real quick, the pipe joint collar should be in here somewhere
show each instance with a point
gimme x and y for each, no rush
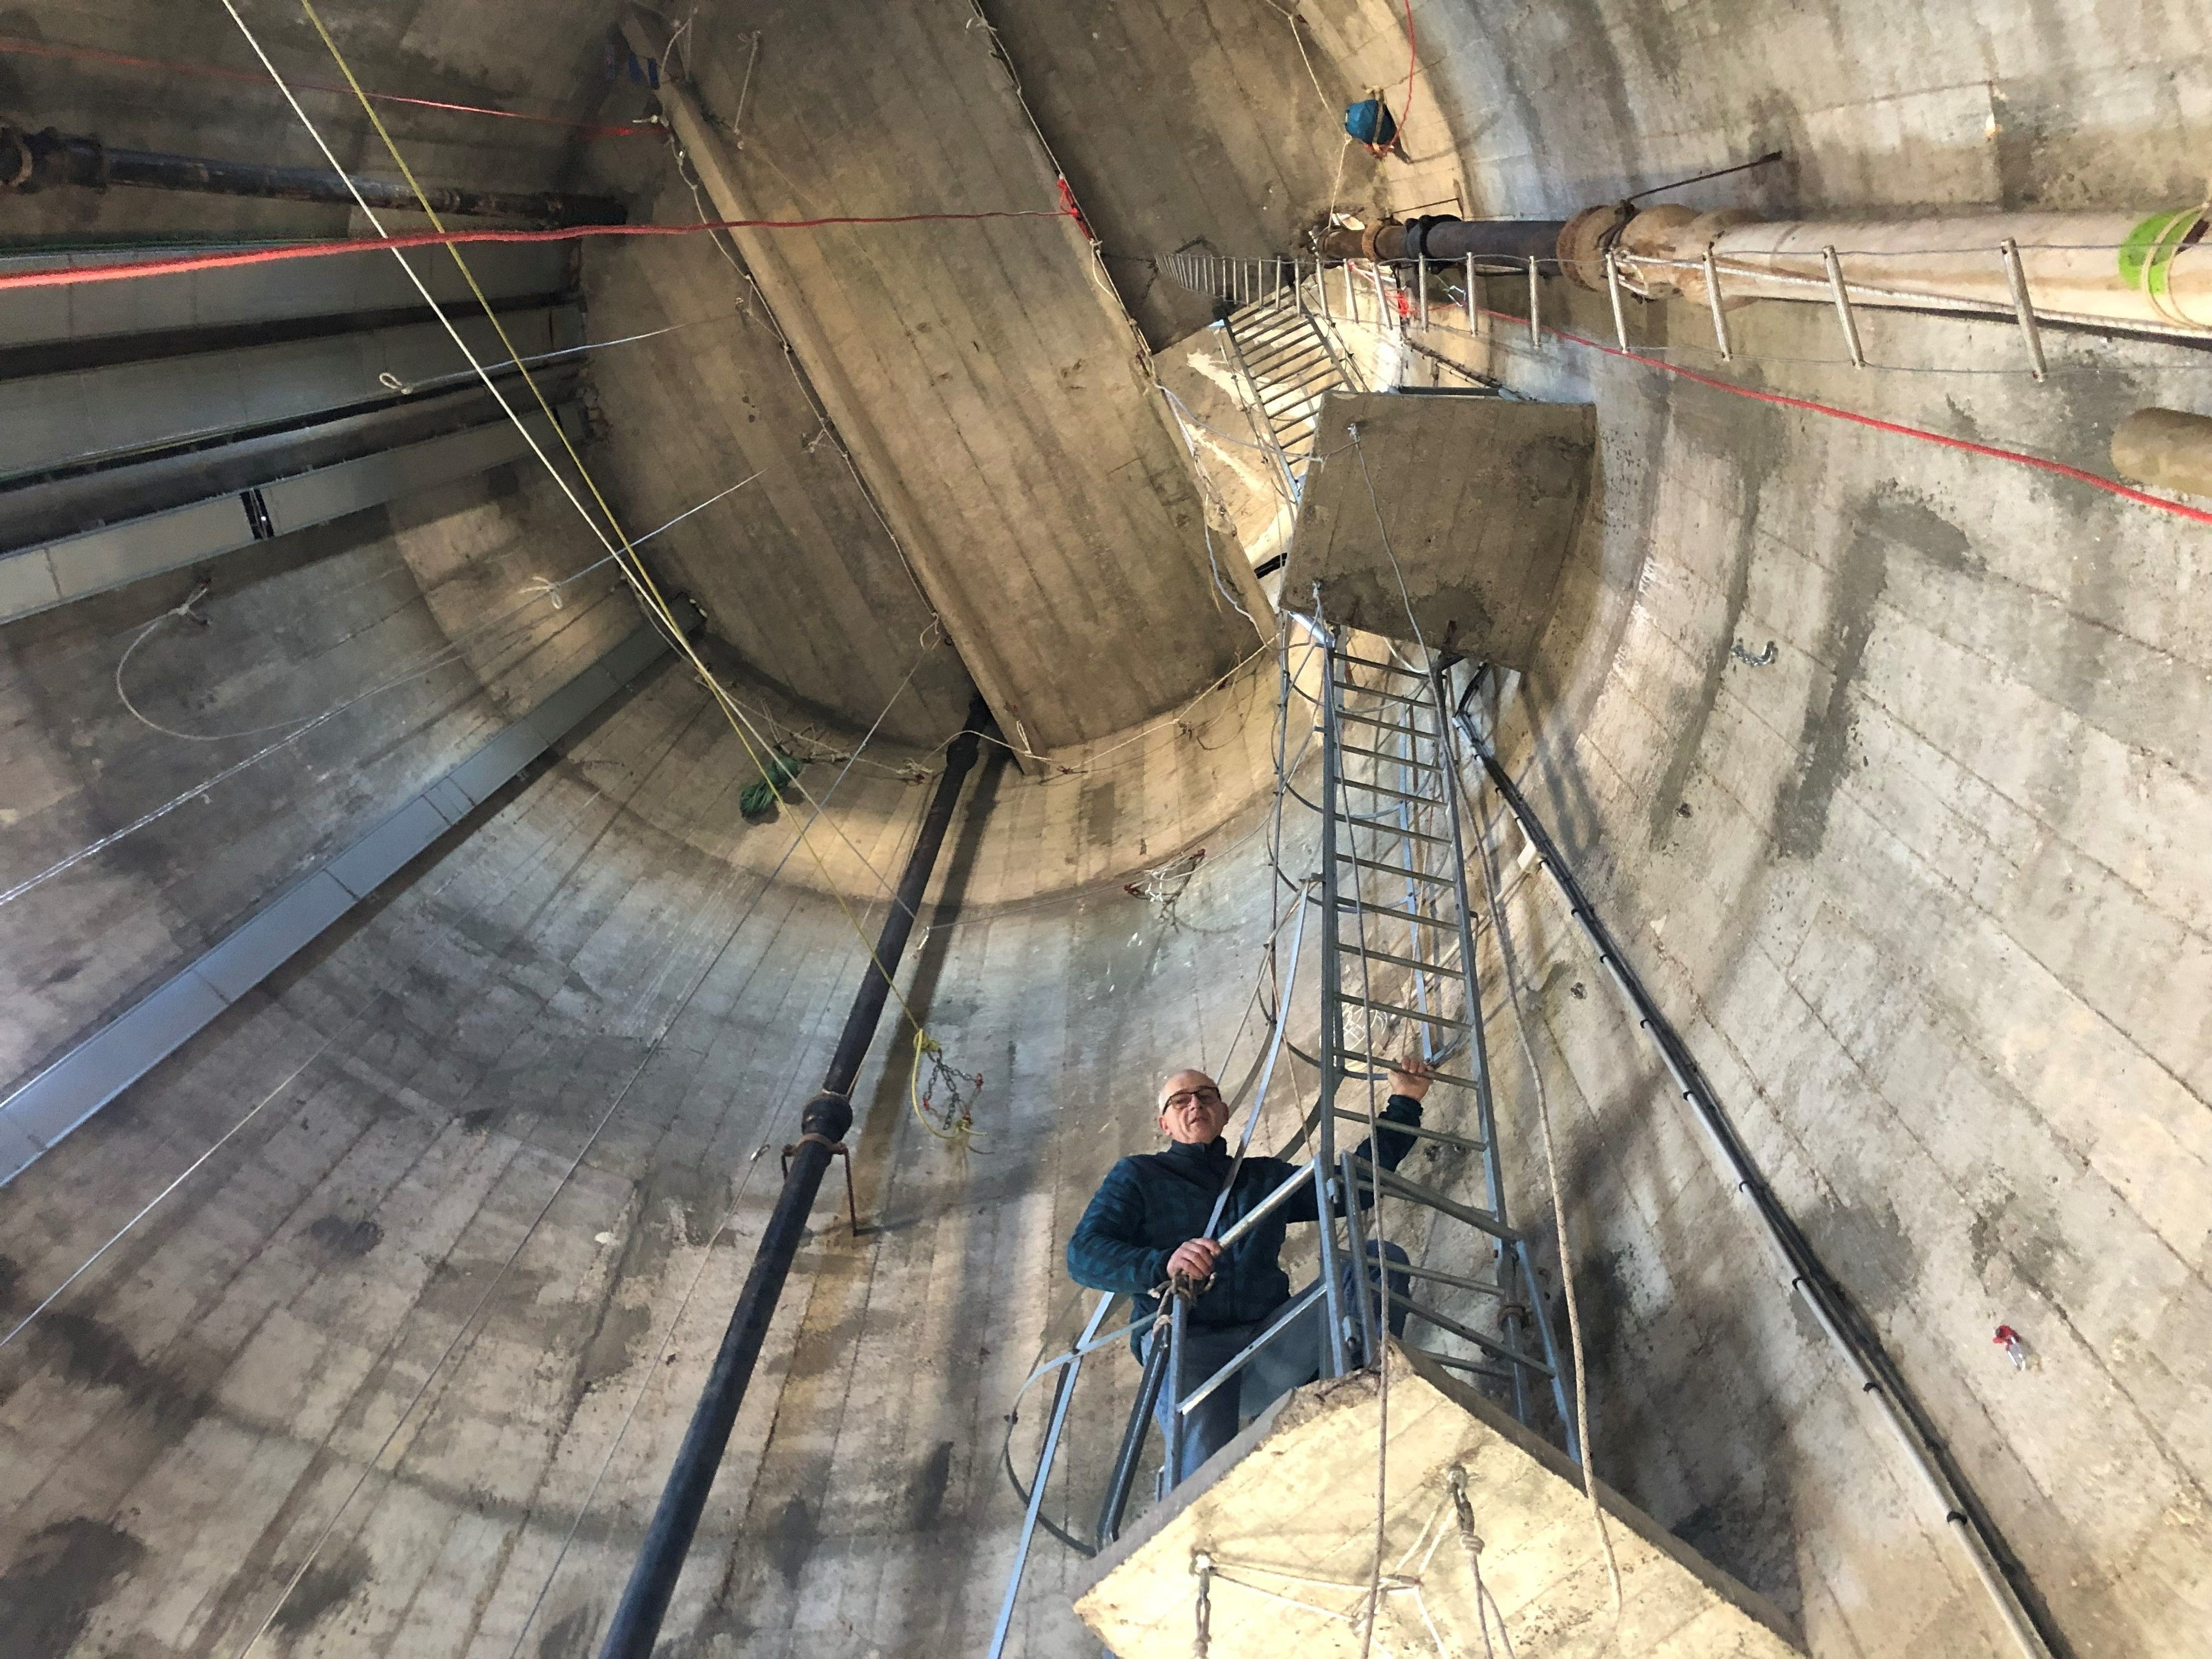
(827, 1114)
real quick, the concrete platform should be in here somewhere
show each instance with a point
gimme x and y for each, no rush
(1480, 497)
(1287, 1514)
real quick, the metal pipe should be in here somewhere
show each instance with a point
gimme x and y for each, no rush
(1535, 307)
(1062, 1398)
(1877, 1373)
(2143, 272)
(1124, 1477)
(636, 1622)
(52, 160)
(1713, 301)
(1844, 316)
(1440, 236)
(2023, 307)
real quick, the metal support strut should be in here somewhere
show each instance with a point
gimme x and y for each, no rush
(636, 1622)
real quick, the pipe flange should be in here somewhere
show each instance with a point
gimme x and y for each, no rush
(1367, 236)
(1584, 238)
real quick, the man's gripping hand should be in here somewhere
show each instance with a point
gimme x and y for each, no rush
(1194, 1260)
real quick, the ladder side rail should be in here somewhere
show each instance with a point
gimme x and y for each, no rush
(1333, 1357)
(1478, 1051)
(1063, 1397)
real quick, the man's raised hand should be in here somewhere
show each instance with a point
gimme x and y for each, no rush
(1410, 1078)
(1194, 1259)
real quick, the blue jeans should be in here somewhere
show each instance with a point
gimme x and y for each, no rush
(1290, 1360)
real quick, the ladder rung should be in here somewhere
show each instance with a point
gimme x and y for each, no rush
(1439, 1077)
(1382, 667)
(1399, 870)
(1387, 697)
(1375, 1004)
(1381, 789)
(1488, 1345)
(1390, 760)
(1414, 916)
(1413, 1129)
(1368, 720)
(1496, 1374)
(1393, 1182)
(1392, 829)
(1413, 963)
(1443, 1277)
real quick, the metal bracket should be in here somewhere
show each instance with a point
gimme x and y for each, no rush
(837, 1149)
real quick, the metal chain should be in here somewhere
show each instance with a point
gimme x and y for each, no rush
(1202, 1641)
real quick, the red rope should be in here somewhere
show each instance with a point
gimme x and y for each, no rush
(68, 278)
(93, 55)
(2018, 457)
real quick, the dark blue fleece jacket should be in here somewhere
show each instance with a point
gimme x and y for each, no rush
(1150, 1204)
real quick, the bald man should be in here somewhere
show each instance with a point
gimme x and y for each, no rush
(1148, 1221)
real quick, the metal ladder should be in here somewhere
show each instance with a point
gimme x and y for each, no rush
(1397, 973)
(1397, 964)
(1284, 350)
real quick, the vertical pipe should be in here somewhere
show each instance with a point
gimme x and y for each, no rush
(636, 1622)
(1535, 307)
(1843, 312)
(2022, 307)
(1178, 1325)
(1421, 287)
(1332, 1005)
(1713, 300)
(1351, 294)
(1471, 326)
(1612, 290)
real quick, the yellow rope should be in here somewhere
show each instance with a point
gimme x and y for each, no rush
(632, 567)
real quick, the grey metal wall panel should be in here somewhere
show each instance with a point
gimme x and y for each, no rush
(70, 1090)
(249, 294)
(481, 775)
(52, 420)
(369, 862)
(264, 944)
(16, 1149)
(94, 1072)
(38, 578)
(119, 553)
(26, 584)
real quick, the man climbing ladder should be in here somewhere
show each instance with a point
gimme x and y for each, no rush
(1150, 1230)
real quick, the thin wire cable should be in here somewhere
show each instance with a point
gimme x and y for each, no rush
(2020, 457)
(93, 55)
(1506, 971)
(633, 567)
(224, 1139)
(1543, 1099)
(80, 276)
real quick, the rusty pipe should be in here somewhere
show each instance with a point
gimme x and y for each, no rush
(52, 160)
(1446, 239)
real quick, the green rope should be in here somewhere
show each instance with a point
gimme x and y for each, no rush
(760, 798)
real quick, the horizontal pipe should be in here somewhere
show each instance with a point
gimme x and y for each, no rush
(1442, 237)
(2143, 269)
(52, 160)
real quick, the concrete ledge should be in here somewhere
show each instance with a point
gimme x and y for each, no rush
(1287, 1514)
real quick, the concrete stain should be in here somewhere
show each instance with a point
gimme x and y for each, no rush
(1758, 454)
(1800, 823)
(570, 1636)
(796, 1536)
(1870, 1253)
(925, 1490)
(343, 1237)
(48, 1593)
(93, 1357)
(327, 1586)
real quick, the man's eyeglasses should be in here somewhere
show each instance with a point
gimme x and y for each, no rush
(1183, 1097)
